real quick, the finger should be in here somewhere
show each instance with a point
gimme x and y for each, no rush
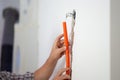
(57, 40)
(60, 43)
(62, 54)
(62, 49)
(59, 37)
(62, 71)
(65, 77)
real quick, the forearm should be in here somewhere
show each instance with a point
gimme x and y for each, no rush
(46, 70)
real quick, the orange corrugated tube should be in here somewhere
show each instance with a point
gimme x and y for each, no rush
(66, 42)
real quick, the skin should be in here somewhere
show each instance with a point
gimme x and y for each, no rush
(61, 76)
(47, 69)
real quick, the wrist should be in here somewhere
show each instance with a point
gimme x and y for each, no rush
(52, 59)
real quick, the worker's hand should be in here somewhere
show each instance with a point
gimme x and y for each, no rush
(58, 48)
(61, 76)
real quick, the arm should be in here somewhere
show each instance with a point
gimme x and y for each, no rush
(57, 51)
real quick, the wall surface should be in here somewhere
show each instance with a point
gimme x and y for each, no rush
(115, 40)
(91, 55)
(26, 38)
(25, 49)
(91, 52)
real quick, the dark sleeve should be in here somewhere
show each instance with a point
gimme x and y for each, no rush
(11, 76)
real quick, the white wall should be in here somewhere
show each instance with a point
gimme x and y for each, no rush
(91, 56)
(25, 49)
(26, 38)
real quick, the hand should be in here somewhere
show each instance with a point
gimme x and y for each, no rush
(61, 76)
(58, 48)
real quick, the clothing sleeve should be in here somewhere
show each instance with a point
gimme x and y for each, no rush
(11, 76)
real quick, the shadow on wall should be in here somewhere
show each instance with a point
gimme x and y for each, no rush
(11, 16)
